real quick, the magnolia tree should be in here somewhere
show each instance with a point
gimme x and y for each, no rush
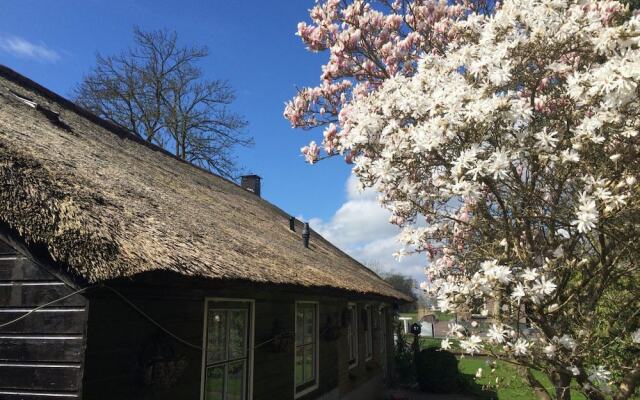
(515, 138)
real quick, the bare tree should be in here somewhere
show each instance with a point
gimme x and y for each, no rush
(156, 90)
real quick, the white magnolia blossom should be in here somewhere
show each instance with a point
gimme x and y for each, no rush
(550, 350)
(530, 274)
(599, 375)
(567, 342)
(455, 329)
(521, 347)
(471, 345)
(518, 292)
(635, 337)
(494, 271)
(496, 334)
(587, 214)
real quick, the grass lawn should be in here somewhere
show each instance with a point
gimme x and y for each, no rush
(439, 315)
(413, 316)
(511, 385)
(444, 316)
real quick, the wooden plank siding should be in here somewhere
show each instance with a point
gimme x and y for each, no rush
(41, 355)
(121, 357)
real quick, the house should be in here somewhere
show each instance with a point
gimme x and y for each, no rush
(126, 273)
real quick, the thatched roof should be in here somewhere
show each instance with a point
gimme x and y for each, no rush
(106, 205)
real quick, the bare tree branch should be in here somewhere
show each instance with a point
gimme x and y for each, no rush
(156, 90)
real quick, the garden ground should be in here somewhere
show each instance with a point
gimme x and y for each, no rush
(510, 384)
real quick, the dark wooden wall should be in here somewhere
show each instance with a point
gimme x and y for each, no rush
(124, 348)
(41, 355)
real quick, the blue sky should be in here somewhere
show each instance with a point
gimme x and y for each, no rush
(252, 44)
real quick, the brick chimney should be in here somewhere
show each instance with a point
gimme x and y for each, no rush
(251, 183)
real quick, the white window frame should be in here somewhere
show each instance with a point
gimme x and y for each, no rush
(368, 335)
(250, 345)
(383, 331)
(296, 393)
(353, 308)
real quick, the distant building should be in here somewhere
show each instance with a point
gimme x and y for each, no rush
(126, 273)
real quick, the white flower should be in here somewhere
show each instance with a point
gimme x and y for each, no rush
(521, 347)
(567, 342)
(635, 337)
(574, 370)
(518, 293)
(455, 329)
(530, 274)
(569, 155)
(400, 254)
(630, 180)
(587, 214)
(471, 345)
(546, 140)
(500, 75)
(499, 164)
(494, 271)
(544, 286)
(599, 375)
(550, 350)
(445, 344)
(479, 373)
(496, 334)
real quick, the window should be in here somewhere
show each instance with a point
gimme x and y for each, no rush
(228, 350)
(306, 348)
(352, 335)
(368, 335)
(382, 321)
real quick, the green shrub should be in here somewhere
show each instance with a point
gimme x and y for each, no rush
(437, 371)
(405, 372)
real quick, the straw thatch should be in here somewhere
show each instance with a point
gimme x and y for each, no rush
(106, 205)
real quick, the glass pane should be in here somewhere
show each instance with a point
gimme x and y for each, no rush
(299, 325)
(299, 362)
(309, 362)
(214, 386)
(309, 324)
(350, 339)
(216, 336)
(235, 381)
(353, 334)
(369, 334)
(237, 333)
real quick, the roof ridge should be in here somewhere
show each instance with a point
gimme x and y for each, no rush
(119, 130)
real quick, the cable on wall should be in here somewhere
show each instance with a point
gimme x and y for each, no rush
(157, 324)
(25, 315)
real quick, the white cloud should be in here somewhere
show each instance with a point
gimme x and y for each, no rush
(361, 228)
(23, 48)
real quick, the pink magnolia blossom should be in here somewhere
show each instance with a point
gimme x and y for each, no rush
(368, 43)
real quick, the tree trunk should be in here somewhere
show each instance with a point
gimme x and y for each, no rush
(629, 383)
(561, 382)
